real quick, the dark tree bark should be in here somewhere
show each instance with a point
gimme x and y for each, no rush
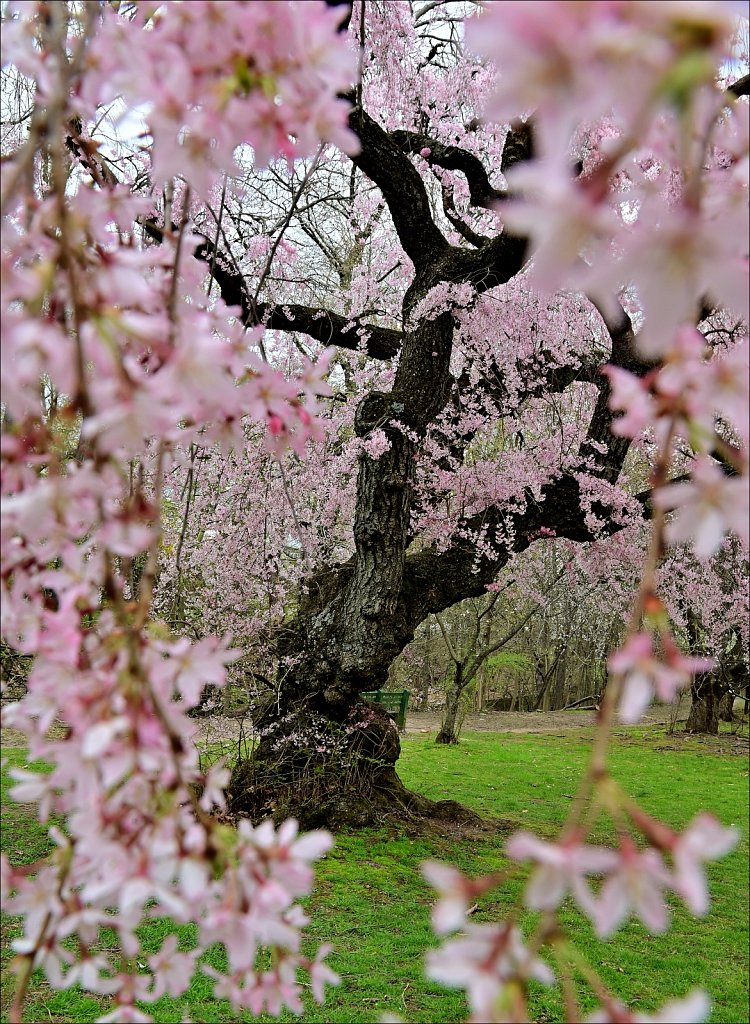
(738, 683)
(726, 708)
(546, 677)
(713, 693)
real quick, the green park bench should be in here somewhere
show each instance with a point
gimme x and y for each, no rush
(393, 702)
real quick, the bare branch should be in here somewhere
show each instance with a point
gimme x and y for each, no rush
(741, 87)
(448, 643)
(321, 324)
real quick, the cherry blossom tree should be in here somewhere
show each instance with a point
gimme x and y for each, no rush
(535, 290)
(483, 423)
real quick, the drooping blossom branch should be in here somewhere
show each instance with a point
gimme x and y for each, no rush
(651, 208)
(142, 365)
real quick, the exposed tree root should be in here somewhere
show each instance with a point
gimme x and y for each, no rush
(335, 802)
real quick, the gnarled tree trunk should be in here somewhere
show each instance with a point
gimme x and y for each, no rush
(737, 683)
(713, 693)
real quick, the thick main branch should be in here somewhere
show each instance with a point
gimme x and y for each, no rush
(452, 158)
(390, 169)
(322, 324)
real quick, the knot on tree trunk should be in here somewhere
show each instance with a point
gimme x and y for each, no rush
(372, 412)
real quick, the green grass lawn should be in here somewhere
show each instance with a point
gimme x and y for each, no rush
(372, 904)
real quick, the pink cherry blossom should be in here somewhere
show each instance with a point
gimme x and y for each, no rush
(637, 884)
(675, 262)
(456, 892)
(693, 1009)
(564, 218)
(33, 787)
(704, 839)
(727, 388)
(282, 99)
(376, 444)
(311, 378)
(91, 973)
(172, 971)
(708, 505)
(562, 867)
(321, 974)
(645, 674)
(631, 395)
(125, 1013)
(483, 962)
(216, 780)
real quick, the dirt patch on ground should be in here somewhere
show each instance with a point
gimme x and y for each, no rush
(10, 737)
(724, 743)
(561, 722)
(532, 721)
(214, 730)
(452, 832)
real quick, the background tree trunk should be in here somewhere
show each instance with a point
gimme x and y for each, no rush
(726, 708)
(448, 730)
(707, 692)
